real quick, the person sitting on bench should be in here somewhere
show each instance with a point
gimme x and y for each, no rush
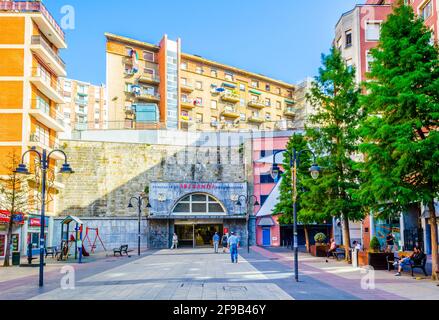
(416, 257)
(332, 248)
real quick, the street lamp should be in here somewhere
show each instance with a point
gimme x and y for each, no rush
(294, 164)
(247, 202)
(44, 159)
(139, 200)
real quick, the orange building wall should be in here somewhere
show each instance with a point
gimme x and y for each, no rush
(15, 33)
(11, 62)
(9, 123)
(6, 153)
(11, 96)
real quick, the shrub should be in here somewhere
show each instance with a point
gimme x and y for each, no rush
(375, 245)
(320, 237)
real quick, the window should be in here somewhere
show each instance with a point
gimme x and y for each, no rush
(213, 73)
(198, 102)
(263, 199)
(267, 102)
(229, 76)
(268, 116)
(348, 35)
(290, 94)
(339, 43)
(67, 86)
(199, 118)
(242, 87)
(213, 104)
(184, 98)
(254, 97)
(242, 101)
(373, 31)
(242, 116)
(278, 105)
(255, 84)
(183, 66)
(349, 62)
(198, 204)
(427, 10)
(369, 60)
(199, 69)
(199, 85)
(148, 56)
(184, 81)
(267, 87)
(266, 178)
(278, 91)
(128, 51)
(149, 71)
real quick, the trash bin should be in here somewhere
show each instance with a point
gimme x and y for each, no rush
(16, 258)
(355, 258)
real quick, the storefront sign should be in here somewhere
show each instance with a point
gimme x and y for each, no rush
(5, 217)
(36, 222)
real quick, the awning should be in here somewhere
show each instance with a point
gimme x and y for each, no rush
(69, 219)
(269, 159)
(270, 203)
(290, 101)
(5, 217)
(229, 85)
(195, 217)
(266, 222)
(255, 92)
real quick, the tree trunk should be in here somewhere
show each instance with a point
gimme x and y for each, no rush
(346, 237)
(434, 246)
(306, 238)
(8, 244)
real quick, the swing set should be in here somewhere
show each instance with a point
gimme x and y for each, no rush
(96, 237)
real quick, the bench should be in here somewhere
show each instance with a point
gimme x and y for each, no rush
(339, 252)
(121, 250)
(52, 251)
(421, 266)
(391, 261)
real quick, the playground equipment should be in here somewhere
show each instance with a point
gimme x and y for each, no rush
(96, 237)
(68, 238)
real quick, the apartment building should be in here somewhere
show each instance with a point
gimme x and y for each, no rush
(158, 86)
(358, 30)
(30, 67)
(356, 33)
(85, 106)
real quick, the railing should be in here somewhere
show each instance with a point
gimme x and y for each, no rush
(44, 75)
(41, 105)
(231, 96)
(39, 40)
(150, 77)
(81, 102)
(32, 6)
(45, 140)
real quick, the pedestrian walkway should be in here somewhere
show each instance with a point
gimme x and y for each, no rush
(348, 281)
(184, 274)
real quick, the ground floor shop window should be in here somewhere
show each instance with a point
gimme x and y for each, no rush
(2, 245)
(384, 227)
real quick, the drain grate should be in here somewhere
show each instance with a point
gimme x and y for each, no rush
(235, 288)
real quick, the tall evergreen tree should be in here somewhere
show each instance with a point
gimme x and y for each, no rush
(401, 137)
(304, 182)
(334, 136)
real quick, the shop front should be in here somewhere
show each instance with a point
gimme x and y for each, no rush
(18, 220)
(195, 211)
(33, 232)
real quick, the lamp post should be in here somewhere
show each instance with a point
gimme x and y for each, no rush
(294, 164)
(44, 160)
(139, 200)
(247, 202)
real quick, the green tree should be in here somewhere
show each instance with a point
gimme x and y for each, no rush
(304, 180)
(400, 136)
(13, 198)
(334, 135)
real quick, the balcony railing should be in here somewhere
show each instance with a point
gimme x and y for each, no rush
(38, 40)
(256, 104)
(289, 111)
(231, 97)
(44, 140)
(39, 104)
(149, 78)
(32, 6)
(44, 76)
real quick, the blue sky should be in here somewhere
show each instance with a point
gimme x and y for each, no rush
(282, 39)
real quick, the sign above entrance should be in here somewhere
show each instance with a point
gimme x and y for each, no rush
(165, 196)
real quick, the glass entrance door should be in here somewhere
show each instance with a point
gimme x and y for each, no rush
(205, 233)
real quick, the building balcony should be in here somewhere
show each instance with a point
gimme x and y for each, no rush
(54, 122)
(289, 112)
(41, 142)
(149, 97)
(256, 119)
(43, 50)
(230, 113)
(187, 104)
(231, 97)
(80, 126)
(257, 104)
(81, 102)
(46, 23)
(49, 87)
(187, 87)
(149, 78)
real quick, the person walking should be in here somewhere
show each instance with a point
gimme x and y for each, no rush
(216, 240)
(174, 242)
(233, 247)
(390, 242)
(224, 242)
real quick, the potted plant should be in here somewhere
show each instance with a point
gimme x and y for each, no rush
(320, 248)
(374, 257)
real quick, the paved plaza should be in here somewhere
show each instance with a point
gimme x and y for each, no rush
(199, 274)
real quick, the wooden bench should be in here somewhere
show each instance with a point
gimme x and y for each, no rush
(121, 250)
(339, 252)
